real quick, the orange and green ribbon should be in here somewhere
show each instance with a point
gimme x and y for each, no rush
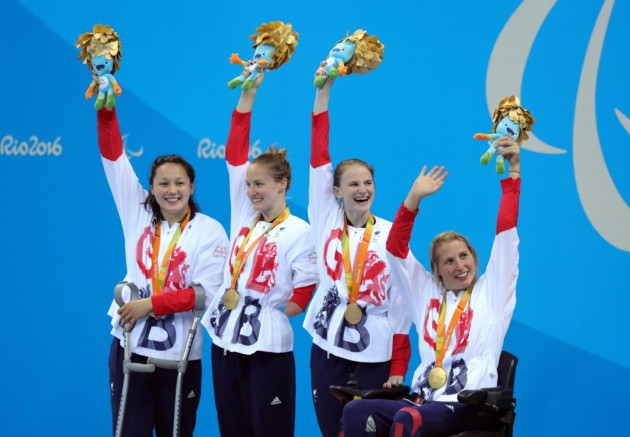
(354, 277)
(159, 273)
(242, 254)
(442, 340)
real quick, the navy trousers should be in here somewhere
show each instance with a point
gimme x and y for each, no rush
(380, 417)
(327, 370)
(254, 394)
(151, 397)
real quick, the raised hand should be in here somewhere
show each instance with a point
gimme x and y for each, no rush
(426, 183)
(511, 151)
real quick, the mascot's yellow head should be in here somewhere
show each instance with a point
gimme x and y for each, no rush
(279, 35)
(102, 41)
(368, 53)
(511, 107)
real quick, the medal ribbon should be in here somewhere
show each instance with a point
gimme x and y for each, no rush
(242, 254)
(159, 272)
(442, 341)
(354, 277)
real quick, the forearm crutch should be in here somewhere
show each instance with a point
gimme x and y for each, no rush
(152, 363)
(128, 366)
(182, 365)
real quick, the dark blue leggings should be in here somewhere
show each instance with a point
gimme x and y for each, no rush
(254, 394)
(151, 397)
(387, 418)
(327, 370)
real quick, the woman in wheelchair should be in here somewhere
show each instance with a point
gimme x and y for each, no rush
(461, 320)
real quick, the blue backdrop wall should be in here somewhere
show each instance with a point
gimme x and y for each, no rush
(446, 66)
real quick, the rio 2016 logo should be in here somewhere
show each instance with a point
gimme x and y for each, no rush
(11, 146)
(205, 149)
(604, 206)
(210, 150)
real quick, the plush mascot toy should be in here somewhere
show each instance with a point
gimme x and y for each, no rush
(100, 50)
(273, 43)
(358, 53)
(510, 119)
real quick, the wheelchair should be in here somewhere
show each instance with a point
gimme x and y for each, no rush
(498, 402)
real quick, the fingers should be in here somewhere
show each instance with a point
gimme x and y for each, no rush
(128, 316)
(125, 315)
(128, 321)
(133, 311)
(393, 381)
(437, 173)
(130, 325)
(509, 149)
(505, 142)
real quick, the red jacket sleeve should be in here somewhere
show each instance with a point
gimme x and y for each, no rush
(170, 303)
(109, 139)
(508, 209)
(401, 352)
(301, 296)
(237, 147)
(400, 233)
(320, 130)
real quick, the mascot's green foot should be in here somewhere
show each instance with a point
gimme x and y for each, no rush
(485, 158)
(500, 167)
(333, 72)
(319, 81)
(234, 83)
(111, 101)
(99, 103)
(247, 84)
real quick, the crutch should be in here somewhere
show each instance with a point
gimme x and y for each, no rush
(128, 366)
(152, 363)
(182, 365)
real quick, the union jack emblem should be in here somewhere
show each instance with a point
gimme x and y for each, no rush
(220, 251)
(312, 258)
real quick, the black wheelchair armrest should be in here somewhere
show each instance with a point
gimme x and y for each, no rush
(476, 397)
(346, 394)
(490, 399)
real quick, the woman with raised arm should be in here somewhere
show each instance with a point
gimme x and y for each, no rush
(270, 267)
(357, 319)
(169, 247)
(461, 319)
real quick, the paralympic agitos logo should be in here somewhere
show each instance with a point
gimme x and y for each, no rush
(604, 206)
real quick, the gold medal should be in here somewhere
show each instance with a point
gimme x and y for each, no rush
(437, 377)
(353, 313)
(230, 299)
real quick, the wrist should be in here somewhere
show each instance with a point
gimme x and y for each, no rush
(412, 203)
